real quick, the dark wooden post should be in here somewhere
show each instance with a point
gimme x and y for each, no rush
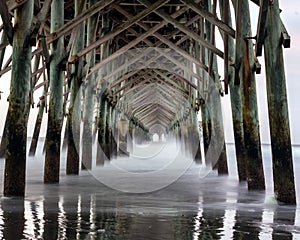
(108, 130)
(244, 63)
(123, 131)
(55, 115)
(37, 128)
(236, 106)
(87, 146)
(4, 139)
(15, 156)
(75, 110)
(101, 130)
(283, 173)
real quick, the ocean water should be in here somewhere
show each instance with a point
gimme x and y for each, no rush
(101, 204)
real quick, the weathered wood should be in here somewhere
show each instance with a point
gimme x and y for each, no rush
(15, 161)
(283, 174)
(87, 145)
(55, 114)
(2, 51)
(210, 17)
(182, 28)
(36, 132)
(245, 73)
(4, 138)
(100, 158)
(68, 27)
(236, 108)
(6, 19)
(261, 26)
(119, 29)
(74, 113)
(108, 131)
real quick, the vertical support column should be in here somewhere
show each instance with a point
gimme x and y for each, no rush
(244, 62)
(15, 156)
(130, 137)
(37, 128)
(4, 139)
(123, 131)
(283, 174)
(108, 130)
(215, 99)
(101, 131)
(236, 106)
(75, 111)
(87, 146)
(114, 147)
(55, 115)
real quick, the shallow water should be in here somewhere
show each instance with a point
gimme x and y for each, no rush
(81, 207)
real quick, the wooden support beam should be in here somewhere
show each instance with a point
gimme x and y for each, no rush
(55, 115)
(2, 51)
(6, 19)
(210, 17)
(246, 76)
(74, 112)
(261, 26)
(119, 29)
(68, 27)
(286, 38)
(283, 171)
(15, 157)
(149, 31)
(226, 49)
(87, 134)
(13, 4)
(182, 28)
(41, 17)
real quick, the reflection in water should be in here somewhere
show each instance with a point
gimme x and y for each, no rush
(189, 209)
(81, 219)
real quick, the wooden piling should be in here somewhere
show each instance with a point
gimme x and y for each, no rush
(15, 156)
(236, 105)
(108, 131)
(37, 127)
(4, 138)
(283, 173)
(55, 114)
(101, 130)
(90, 86)
(244, 63)
(74, 116)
